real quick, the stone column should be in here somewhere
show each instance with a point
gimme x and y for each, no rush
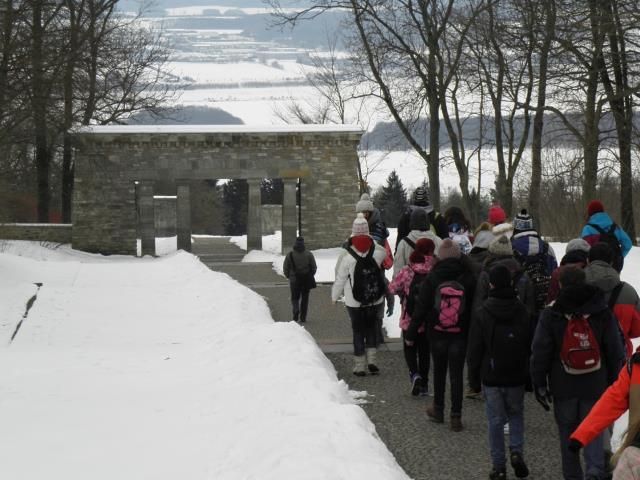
(183, 215)
(147, 217)
(254, 216)
(289, 214)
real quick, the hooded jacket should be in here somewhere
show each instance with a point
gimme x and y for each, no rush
(437, 223)
(548, 338)
(345, 268)
(528, 243)
(604, 221)
(402, 283)
(502, 309)
(458, 269)
(404, 250)
(627, 304)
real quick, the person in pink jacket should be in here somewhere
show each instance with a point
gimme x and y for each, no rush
(417, 355)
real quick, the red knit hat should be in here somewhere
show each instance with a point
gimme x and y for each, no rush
(595, 206)
(496, 215)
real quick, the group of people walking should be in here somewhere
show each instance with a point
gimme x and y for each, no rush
(496, 300)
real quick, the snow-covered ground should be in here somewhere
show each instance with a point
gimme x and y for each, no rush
(160, 368)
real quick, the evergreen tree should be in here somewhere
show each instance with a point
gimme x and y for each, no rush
(234, 199)
(391, 200)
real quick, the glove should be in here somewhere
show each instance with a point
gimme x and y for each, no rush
(389, 310)
(543, 396)
(574, 445)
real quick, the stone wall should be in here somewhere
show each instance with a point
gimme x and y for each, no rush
(39, 232)
(110, 159)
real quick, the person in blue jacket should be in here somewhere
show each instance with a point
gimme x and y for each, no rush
(601, 228)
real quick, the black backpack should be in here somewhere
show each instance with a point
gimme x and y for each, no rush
(414, 291)
(509, 347)
(535, 266)
(609, 237)
(368, 283)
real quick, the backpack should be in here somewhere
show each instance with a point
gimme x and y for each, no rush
(368, 283)
(580, 352)
(535, 266)
(508, 348)
(414, 290)
(609, 237)
(449, 303)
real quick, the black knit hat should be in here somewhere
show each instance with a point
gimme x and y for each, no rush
(500, 277)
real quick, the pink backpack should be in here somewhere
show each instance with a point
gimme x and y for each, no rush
(449, 305)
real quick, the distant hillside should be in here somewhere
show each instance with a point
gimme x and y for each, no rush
(188, 115)
(128, 5)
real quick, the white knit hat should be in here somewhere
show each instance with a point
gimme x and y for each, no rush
(360, 226)
(364, 204)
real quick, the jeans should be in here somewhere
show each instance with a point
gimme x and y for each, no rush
(364, 326)
(504, 404)
(568, 414)
(448, 350)
(418, 356)
(299, 301)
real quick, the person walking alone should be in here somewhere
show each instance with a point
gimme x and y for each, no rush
(300, 268)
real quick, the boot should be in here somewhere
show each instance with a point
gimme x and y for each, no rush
(435, 414)
(358, 365)
(456, 424)
(371, 361)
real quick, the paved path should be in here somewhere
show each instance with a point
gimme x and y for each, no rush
(425, 450)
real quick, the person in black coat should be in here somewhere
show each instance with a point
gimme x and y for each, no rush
(300, 267)
(448, 348)
(437, 222)
(574, 395)
(499, 342)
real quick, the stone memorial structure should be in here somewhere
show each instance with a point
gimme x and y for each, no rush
(116, 168)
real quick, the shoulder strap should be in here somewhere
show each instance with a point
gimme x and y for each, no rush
(615, 293)
(354, 254)
(597, 227)
(612, 228)
(411, 243)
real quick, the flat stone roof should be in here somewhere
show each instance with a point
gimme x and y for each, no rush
(184, 129)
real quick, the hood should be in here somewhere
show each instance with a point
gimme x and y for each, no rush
(500, 304)
(424, 267)
(375, 217)
(482, 239)
(602, 275)
(601, 218)
(449, 268)
(503, 229)
(585, 299)
(426, 206)
(511, 263)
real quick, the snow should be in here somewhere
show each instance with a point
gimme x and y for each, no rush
(160, 368)
(234, 73)
(148, 368)
(200, 10)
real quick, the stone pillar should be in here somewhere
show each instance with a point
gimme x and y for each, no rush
(147, 217)
(183, 216)
(289, 214)
(254, 215)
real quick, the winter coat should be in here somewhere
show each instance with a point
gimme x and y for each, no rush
(345, 267)
(401, 284)
(604, 221)
(304, 263)
(572, 259)
(404, 250)
(522, 283)
(627, 305)
(458, 269)
(502, 307)
(611, 405)
(377, 229)
(436, 222)
(529, 244)
(548, 338)
(628, 466)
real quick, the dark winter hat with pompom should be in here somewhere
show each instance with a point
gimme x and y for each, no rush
(522, 222)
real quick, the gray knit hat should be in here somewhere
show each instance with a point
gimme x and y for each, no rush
(578, 244)
(364, 204)
(501, 247)
(449, 249)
